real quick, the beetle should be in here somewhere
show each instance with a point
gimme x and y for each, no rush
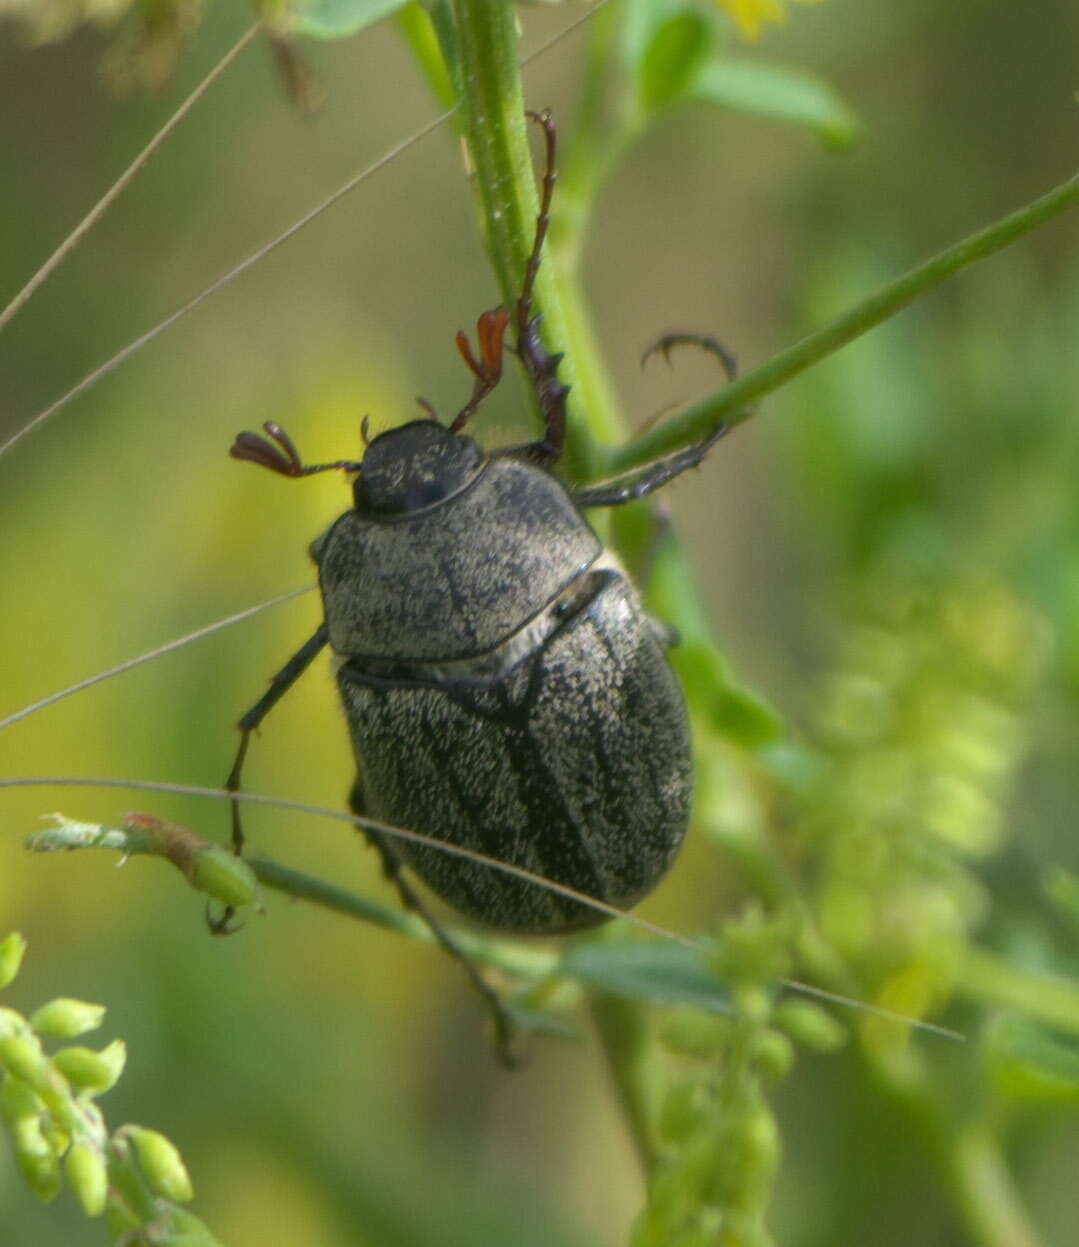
(504, 688)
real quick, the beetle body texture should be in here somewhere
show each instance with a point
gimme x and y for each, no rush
(504, 689)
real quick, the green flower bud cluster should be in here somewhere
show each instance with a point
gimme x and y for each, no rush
(921, 721)
(135, 1177)
(718, 1140)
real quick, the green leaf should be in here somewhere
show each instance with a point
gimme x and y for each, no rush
(1026, 1061)
(779, 92)
(337, 19)
(733, 712)
(673, 57)
(663, 973)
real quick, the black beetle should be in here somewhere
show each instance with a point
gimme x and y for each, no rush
(505, 690)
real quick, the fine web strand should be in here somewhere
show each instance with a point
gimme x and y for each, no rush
(158, 652)
(459, 851)
(144, 339)
(123, 181)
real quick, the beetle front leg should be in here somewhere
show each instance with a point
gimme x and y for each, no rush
(279, 686)
(393, 868)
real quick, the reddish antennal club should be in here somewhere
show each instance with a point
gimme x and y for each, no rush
(282, 458)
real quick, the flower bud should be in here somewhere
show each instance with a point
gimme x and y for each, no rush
(224, 876)
(773, 1053)
(161, 1164)
(38, 1162)
(21, 1055)
(810, 1025)
(11, 1022)
(12, 948)
(17, 1100)
(92, 1072)
(86, 1174)
(682, 1111)
(65, 1018)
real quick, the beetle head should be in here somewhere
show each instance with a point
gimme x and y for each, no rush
(414, 466)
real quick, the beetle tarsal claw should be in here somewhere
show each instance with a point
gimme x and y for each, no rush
(669, 341)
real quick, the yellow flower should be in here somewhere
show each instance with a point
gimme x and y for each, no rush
(751, 15)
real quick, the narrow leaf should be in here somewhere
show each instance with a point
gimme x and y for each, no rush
(662, 973)
(779, 92)
(674, 56)
(337, 19)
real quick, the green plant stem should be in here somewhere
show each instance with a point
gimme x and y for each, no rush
(967, 1156)
(518, 960)
(986, 1193)
(732, 402)
(495, 131)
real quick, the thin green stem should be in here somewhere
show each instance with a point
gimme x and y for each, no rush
(518, 960)
(732, 403)
(967, 1156)
(145, 838)
(986, 1193)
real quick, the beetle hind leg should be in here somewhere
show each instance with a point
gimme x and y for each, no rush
(712, 345)
(652, 476)
(540, 365)
(393, 868)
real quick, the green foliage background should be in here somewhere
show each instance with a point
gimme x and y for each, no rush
(888, 551)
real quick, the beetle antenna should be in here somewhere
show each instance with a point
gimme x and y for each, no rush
(283, 458)
(490, 330)
(429, 408)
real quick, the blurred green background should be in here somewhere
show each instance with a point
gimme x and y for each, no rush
(328, 1084)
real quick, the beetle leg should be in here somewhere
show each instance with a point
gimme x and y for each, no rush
(279, 686)
(670, 340)
(393, 868)
(652, 476)
(539, 364)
